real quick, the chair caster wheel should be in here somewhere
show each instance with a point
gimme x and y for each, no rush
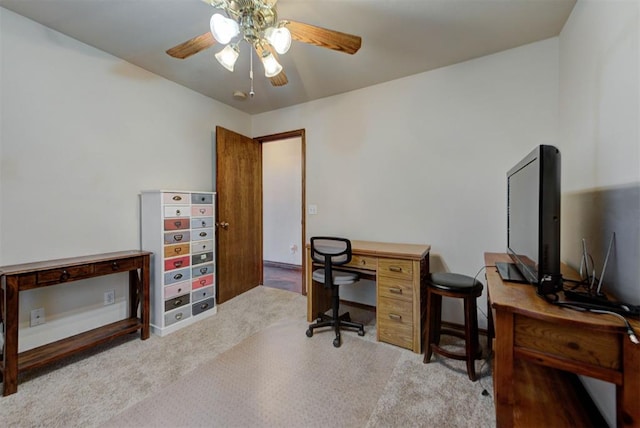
(361, 333)
(336, 342)
(309, 332)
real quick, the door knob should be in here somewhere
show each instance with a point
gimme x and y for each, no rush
(223, 224)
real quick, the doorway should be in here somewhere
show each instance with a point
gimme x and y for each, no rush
(283, 195)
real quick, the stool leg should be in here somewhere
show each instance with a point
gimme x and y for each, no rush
(432, 323)
(471, 335)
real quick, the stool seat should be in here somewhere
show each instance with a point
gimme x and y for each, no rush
(459, 286)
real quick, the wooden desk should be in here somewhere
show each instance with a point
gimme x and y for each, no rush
(399, 271)
(530, 330)
(30, 276)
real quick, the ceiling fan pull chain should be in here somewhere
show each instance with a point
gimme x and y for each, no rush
(251, 93)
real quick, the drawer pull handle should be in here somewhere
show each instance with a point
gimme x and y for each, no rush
(203, 234)
(177, 263)
(363, 262)
(177, 223)
(179, 290)
(395, 268)
(178, 276)
(178, 212)
(177, 302)
(204, 246)
(204, 306)
(203, 281)
(177, 198)
(178, 237)
(396, 290)
(115, 266)
(204, 223)
(204, 270)
(178, 316)
(203, 210)
(65, 275)
(177, 250)
(203, 199)
(395, 317)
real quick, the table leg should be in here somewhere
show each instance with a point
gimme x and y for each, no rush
(503, 369)
(10, 355)
(628, 410)
(145, 300)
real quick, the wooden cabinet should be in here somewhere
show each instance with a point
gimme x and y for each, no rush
(179, 228)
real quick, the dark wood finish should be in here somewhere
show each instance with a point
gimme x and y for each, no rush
(529, 329)
(331, 39)
(192, 46)
(239, 187)
(17, 278)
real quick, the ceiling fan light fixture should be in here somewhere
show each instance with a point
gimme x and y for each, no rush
(271, 66)
(223, 29)
(228, 56)
(279, 38)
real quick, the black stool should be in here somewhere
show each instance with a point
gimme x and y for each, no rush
(461, 287)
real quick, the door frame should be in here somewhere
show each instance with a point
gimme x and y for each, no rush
(300, 133)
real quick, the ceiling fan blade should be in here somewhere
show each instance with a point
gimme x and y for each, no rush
(319, 36)
(192, 46)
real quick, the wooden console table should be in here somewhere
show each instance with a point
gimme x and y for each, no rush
(399, 271)
(30, 276)
(531, 332)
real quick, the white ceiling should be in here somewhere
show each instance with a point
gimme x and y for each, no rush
(399, 38)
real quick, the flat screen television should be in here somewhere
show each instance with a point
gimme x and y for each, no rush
(533, 218)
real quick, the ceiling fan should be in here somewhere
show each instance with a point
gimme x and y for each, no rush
(256, 22)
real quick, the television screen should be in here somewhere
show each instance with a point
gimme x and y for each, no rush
(533, 218)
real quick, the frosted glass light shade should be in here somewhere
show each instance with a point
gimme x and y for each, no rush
(228, 56)
(279, 38)
(271, 66)
(223, 29)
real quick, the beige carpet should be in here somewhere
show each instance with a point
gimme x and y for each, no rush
(276, 378)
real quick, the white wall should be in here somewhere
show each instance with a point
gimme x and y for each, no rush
(423, 159)
(600, 144)
(82, 134)
(282, 201)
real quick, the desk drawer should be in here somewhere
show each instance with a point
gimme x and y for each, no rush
(395, 268)
(363, 262)
(104, 268)
(61, 275)
(395, 322)
(395, 288)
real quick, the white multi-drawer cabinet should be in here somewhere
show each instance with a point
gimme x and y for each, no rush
(179, 228)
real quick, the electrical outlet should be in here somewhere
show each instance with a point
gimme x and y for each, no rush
(109, 297)
(37, 317)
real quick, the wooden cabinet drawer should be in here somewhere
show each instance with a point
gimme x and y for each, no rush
(202, 210)
(176, 263)
(61, 275)
(203, 305)
(395, 288)
(363, 262)
(201, 234)
(201, 223)
(176, 276)
(201, 294)
(197, 259)
(176, 211)
(176, 224)
(402, 269)
(177, 315)
(202, 270)
(176, 250)
(105, 268)
(201, 198)
(176, 289)
(395, 322)
(202, 281)
(175, 198)
(201, 246)
(176, 302)
(176, 237)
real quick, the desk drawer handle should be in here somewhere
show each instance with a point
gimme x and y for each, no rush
(395, 268)
(114, 266)
(363, 262)
(395, 290)
(395, 317)
(65, 275)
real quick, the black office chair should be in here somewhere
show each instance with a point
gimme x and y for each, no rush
(333, 252)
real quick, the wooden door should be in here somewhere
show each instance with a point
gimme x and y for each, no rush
(239, 190)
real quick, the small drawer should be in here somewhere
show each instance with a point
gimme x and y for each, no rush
(395, 322)
(202, 222)
(202, 306)
(201, 246)
(363, 262)
(104, 268)
(177, 276)
(176, 250)
(197, 259)
(201, 294)
(176, 237)
(61, 275)
(176, 290)
(202, 210)
(176, 302)
(176, 224)
(176, 211)
(175, 198)
(202, 270)
(402, 269)
(202, 281)
(201, 198)
(395, 288)
(201, 234)
(177, 315)
(176, 263)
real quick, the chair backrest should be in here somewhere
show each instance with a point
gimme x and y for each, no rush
(330, 251)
